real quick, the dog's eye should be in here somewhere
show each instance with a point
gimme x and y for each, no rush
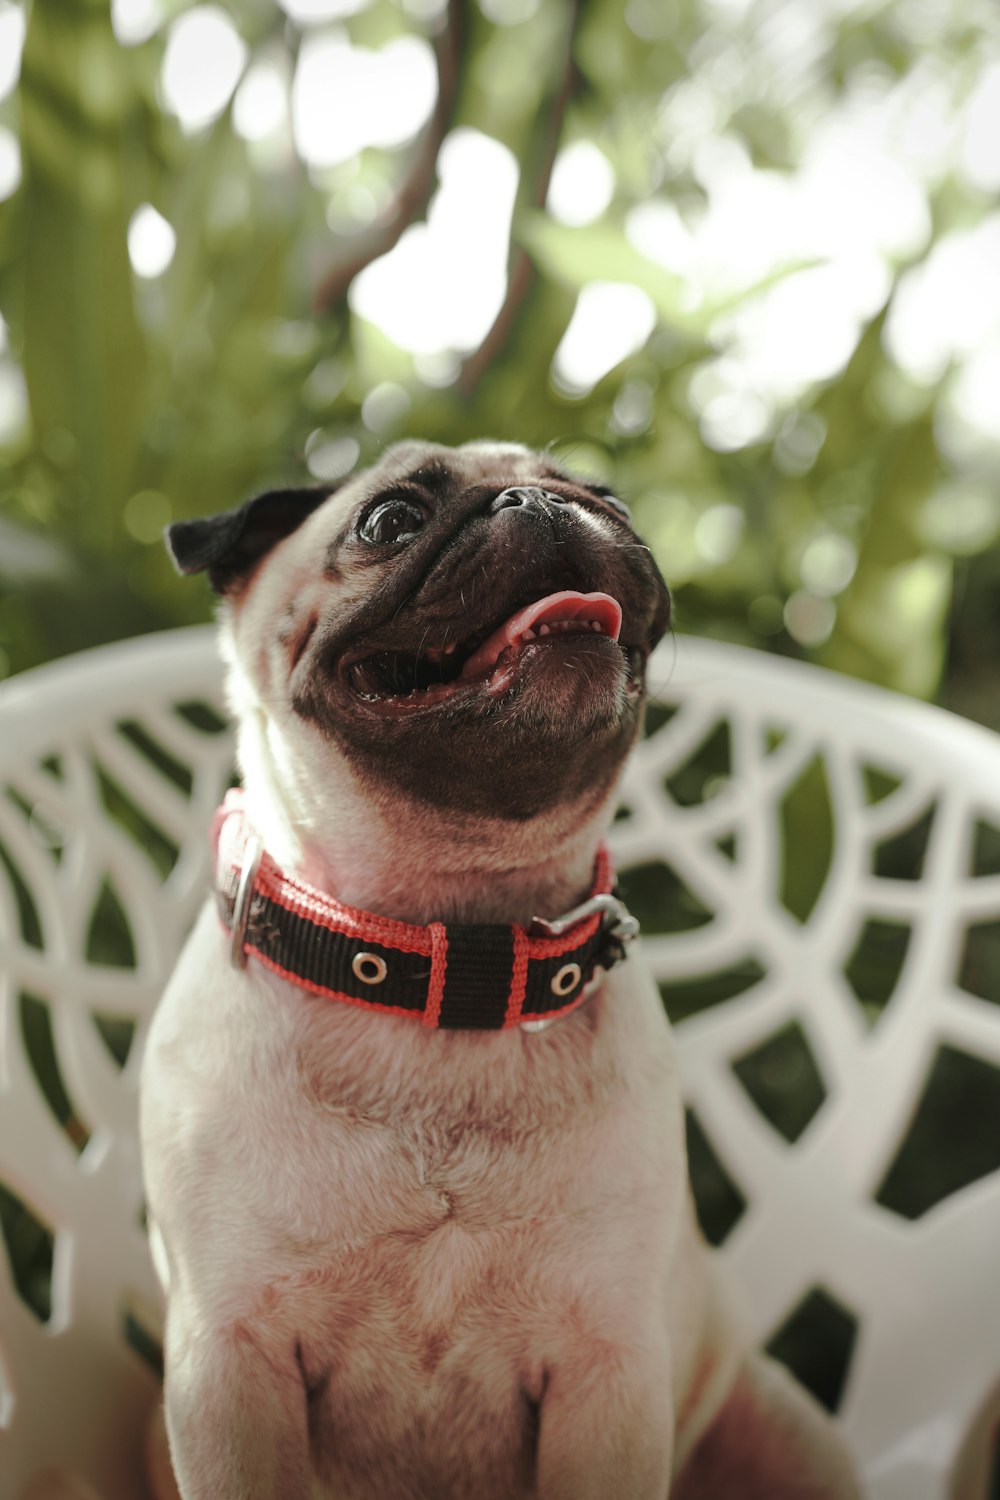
(392, 521)
(611, 499)
(619, 506)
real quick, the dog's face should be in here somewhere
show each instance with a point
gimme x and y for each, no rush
(469, 626)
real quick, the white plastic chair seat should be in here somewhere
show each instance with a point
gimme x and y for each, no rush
(817, 864)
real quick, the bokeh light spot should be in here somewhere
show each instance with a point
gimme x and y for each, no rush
(260, 108)
(203, 61)
(151, 242)
(135, 21)
(611, 320)
(718, 533)
(331, 458)
(582, 184)
(828, 564)
(799, 439)
(10, 163)
(385, 406)
(12, 28)
(633, 408)
(946, 306)
(345, 98)
(809, 620)
(13, 402)
(962, 518)
(979, 156)
(508, 12)
(442, 286)
(309, 12)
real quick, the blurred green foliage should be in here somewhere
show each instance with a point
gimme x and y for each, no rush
(151, 398)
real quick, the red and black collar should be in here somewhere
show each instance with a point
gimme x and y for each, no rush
(446, 975)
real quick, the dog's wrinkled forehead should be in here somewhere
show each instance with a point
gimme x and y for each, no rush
(447, 474)
(446, 471)
(473, 463)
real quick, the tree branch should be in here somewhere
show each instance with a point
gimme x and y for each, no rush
(522, 269)
(414, 193)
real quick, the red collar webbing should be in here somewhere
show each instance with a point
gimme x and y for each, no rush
(450, 975)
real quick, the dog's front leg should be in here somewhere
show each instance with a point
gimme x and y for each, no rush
(236, 1413)
(606, 1428)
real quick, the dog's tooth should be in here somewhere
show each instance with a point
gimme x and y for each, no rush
(529, 635)
(544, 630)
(596, 625)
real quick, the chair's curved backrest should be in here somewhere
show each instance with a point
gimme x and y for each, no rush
(817, 867)
(830, 952)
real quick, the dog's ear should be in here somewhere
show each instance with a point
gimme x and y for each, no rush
(229, 545)
(663, 619)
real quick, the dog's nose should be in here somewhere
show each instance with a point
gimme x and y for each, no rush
(524, 494)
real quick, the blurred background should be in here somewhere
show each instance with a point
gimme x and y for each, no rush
(740, 257)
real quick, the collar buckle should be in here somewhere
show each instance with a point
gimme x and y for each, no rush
(618, 926)
(252, 856)
(618, 922)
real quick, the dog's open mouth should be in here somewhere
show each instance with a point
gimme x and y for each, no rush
(486, 659)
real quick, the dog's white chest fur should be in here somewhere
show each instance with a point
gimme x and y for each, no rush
(431, 1223)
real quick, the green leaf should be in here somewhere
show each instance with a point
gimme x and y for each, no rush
(601, 252)
(85, 358)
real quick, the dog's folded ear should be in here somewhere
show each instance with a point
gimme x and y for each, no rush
(229, 545)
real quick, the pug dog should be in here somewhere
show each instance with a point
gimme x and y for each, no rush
(411, 1120)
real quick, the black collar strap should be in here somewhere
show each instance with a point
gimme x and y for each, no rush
(448, 976)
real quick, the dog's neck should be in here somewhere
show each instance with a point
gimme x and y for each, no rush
(409, 861)
(433, 885)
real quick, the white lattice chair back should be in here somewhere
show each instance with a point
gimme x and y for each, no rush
(817, 865)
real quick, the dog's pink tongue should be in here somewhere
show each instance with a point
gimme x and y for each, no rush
(565, 606)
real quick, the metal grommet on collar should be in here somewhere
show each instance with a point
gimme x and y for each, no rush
(566, 980)
(369, 968)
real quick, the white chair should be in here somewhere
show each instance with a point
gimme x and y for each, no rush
(817, 866)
